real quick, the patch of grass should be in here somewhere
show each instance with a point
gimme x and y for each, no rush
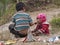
(8, 14)
(55, 23)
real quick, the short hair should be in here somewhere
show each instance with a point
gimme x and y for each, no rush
(19, 6)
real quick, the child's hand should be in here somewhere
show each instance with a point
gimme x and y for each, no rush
(42, 30)
(35, 23)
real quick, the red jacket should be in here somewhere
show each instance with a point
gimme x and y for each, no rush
(44, 27)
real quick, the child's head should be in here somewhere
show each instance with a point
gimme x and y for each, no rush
(20, 6)
(41, 17)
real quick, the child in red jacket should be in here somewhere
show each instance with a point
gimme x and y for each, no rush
(41, 28)
(42, 25)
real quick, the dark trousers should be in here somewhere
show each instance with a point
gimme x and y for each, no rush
(16, 33)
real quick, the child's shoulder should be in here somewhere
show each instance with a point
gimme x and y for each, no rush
(20, 14)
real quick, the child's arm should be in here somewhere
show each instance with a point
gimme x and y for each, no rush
(31, 24)
(35, 23)
(31, 21)
(45, 28)
(13, 20)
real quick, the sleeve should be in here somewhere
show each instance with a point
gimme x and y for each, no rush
(30, 20)
(45, 28)
(13, 19)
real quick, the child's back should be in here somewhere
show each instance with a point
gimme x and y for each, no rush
(21, 21)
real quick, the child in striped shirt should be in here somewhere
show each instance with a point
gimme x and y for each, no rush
(21, 21)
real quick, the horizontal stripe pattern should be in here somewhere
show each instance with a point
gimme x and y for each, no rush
(21, 25)
(21, 21)
(21, 28)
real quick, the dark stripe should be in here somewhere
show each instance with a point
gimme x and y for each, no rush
(21, 28)
(22, 18)
(22, 21)
(22, 24)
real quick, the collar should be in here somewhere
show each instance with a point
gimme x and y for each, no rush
(21, 11)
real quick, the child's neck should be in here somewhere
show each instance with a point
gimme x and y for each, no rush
(22, 11)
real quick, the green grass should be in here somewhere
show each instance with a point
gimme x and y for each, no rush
(55, 24)
(8, 14)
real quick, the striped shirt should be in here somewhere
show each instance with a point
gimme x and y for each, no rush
(21, 21)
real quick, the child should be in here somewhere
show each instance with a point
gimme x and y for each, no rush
(42, 25)
(21, 21)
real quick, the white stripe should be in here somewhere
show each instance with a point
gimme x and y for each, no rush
(22, 13)
(22, 25)
(21, 19)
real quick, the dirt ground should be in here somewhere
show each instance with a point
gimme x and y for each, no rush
(50, 14)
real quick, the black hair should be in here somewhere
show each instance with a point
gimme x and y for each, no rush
(19, 6)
